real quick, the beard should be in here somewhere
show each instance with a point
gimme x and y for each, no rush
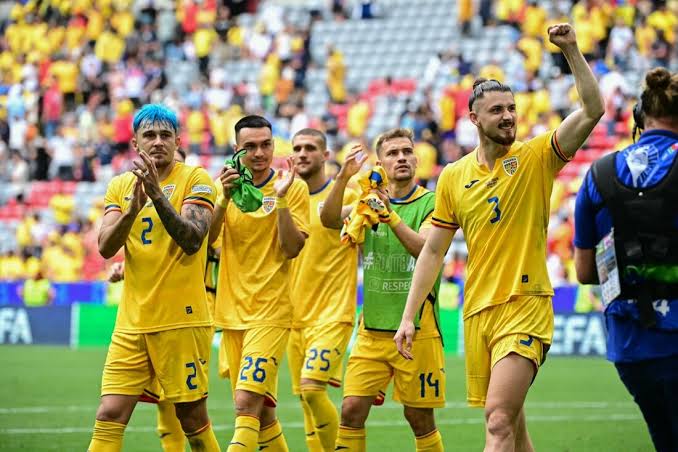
(498, 137)
(308, 172)
(401, 176)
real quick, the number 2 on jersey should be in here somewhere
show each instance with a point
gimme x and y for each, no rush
(149, 222)
(497, 212)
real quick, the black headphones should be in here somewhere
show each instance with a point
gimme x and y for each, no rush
(638, 118)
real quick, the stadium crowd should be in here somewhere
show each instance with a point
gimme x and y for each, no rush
(72, 74)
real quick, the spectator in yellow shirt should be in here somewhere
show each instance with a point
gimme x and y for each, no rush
(66, 72)
(109, 46)
(534, 22)
(37, 291)
(427, 157)
(69, 266)
(268, 79)
(203, 40)
(532, 48)
(665, 20)
(11, 266)
(195, 126)
(218, 123)
(63, 206)
(357, 117)
(492, 71)
(645, 36)
(336, 75)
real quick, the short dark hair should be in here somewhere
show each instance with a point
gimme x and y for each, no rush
(482, 86)
(251, 122)
(313, 133)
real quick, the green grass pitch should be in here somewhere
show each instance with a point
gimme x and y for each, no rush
(48, 398)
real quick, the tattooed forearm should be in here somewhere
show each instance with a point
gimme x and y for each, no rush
(189, 228)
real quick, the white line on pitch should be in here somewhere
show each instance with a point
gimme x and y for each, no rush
(388, 405)
(299, 425)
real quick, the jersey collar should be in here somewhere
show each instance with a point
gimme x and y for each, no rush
(268, 179)
(657, 132)
(321, 188)
(406, 197)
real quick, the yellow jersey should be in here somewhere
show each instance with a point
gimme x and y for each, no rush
(253, 287)
(164, 287)
(504, 214)
(324, 275)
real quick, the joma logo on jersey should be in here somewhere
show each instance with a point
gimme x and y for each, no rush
(510, 165)
(268, 204)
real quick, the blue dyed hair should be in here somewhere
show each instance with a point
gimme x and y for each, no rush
(153, 114)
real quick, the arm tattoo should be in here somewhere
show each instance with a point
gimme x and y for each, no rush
(187, 231)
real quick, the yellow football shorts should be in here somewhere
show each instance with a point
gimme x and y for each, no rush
(374, 360)
(523, 325)
(178, 359)
(317, 353)
(254, 356)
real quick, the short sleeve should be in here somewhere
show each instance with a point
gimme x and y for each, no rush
(298, 201)
(427, 223)
(112, 201)
(585, 217)
(200, 190)
(546, 145)
(443, 214)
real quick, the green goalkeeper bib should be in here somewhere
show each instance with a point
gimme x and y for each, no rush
(388, 267)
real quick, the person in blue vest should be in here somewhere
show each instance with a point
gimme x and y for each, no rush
(633, 194)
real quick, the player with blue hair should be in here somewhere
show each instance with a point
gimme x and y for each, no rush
(151, 114)
(160, 213)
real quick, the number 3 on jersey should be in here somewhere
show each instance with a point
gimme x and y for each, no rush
(497, 212)
(149, 222)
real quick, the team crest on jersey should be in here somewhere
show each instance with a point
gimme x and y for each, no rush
(167, 190)
(320, 206)
(268, 204)
(673, 148)
(510, 165)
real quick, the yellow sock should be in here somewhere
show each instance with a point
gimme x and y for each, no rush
(430, 442)
(312, 441)
(245, 434)
(203, 440)
(351, 439)
(325, 415)
(172, 437)
(107, 437)
(271, 438)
